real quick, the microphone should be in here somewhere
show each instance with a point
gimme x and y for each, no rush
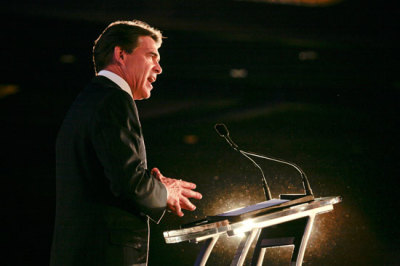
(223, 132)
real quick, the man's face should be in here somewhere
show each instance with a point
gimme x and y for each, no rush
(141, 67)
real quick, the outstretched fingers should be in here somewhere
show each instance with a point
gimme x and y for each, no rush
(179, 192)
(191, 194)
(186, 184)
(176, 208)
(186, 204)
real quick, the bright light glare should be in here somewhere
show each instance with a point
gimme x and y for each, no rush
(240, 235)
(247, 225)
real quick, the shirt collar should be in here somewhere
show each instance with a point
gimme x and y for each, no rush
(117, 80)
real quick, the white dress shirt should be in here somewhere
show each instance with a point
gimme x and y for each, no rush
(117, 80)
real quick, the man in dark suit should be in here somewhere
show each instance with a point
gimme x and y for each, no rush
(105, 192)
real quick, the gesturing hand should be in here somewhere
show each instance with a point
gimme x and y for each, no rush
(179, 193)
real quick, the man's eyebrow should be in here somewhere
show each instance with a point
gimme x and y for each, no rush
(155, 54)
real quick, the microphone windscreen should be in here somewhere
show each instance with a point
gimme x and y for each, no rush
(221, 130)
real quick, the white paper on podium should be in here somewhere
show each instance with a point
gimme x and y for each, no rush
(255, 207)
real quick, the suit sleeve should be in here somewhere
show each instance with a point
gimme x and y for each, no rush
(117, 139)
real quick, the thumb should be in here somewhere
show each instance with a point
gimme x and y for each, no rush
(156, 173)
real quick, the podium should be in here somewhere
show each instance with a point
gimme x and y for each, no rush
(270, 223)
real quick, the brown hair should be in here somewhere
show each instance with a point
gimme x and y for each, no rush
(124, 34)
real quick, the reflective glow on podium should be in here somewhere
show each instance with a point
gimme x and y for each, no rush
(247, 225)
(250, 229)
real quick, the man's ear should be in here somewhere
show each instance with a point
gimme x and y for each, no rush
(118, 55)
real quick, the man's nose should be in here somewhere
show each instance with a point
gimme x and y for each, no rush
(157, 68)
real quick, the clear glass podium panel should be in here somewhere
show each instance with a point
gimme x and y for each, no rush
(207, 229)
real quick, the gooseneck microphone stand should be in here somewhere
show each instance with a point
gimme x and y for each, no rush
(223, 132)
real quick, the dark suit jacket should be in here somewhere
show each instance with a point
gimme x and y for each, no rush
(105, 193)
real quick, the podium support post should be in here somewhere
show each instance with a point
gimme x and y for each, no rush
(296, 233)
(205, 252)
(244, 246)
(304, 241)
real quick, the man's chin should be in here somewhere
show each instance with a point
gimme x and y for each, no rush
(147, 95)
(142, 96)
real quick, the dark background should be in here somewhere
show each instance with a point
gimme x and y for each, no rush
(319, 87)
